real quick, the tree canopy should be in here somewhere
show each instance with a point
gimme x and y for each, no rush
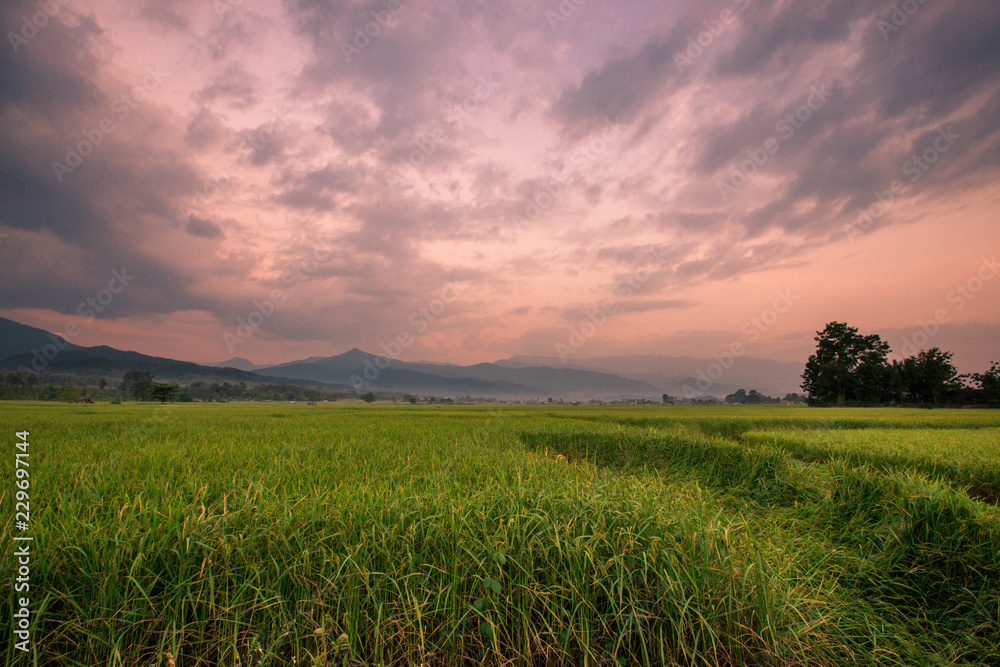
(929, 376)
(989, 384)
(137, 385)
(163, 392)
(848, 368)
(852, 369)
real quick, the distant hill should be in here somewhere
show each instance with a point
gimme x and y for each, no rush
(17, 338)
(478, 380)
(90, 364)
(671, 374)
(300, 361)
(238, 363)
(520, 377)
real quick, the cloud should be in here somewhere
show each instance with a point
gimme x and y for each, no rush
(204, 228)
(658, 304)
(169, 14)
(235, 86)
(204, 129)
(619, 88)
(213, 195)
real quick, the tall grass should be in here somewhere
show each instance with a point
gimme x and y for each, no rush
(916, 557)
(732, 421)
(968, 458)
(255, 534)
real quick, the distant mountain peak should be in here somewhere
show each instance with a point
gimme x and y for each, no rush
(239, 363)
(17, 338)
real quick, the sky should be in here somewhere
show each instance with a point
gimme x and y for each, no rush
(463, 181)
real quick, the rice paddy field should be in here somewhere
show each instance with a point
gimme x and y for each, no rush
(343, 534)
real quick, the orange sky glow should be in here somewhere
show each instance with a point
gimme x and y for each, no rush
(493, 179)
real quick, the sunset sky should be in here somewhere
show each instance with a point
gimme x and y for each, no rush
(481, 175)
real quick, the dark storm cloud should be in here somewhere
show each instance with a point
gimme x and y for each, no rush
(52, 73)
(778, 37)
(944, 55)
(99, 217)
(923, 77)
(361, 113)
(32, 199)
(204, 228)
(72, 228)
(844, 173)
(620, 87)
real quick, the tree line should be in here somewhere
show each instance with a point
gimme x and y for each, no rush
(853, 369)
(753, 397)
(142, 386)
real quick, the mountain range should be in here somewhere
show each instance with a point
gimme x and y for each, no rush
(519, 377)
(678, 375)
(356, 367)
(17, 338)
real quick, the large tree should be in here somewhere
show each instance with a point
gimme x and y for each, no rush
(989, 384)
(929, 376)
(738, 396)
(137, 384)
(848, 368)
(69, 394)
(163, 392)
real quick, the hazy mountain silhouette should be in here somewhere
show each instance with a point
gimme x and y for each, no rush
(672, 374)
(17, 338)
(238, 363)
(449, 380)
(520, 377)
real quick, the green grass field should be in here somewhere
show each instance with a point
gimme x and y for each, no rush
(968, 458)
(259, 534)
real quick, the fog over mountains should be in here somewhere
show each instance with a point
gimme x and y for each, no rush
(674, 374)
(519, 377)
